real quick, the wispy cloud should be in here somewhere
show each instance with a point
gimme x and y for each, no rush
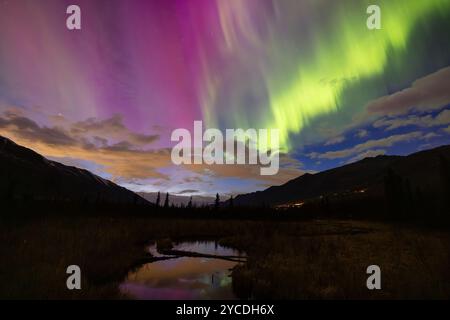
(447, 129)
(188, 191)
(368, 145)
(123, 159)
(426, 121)
(362, 133)
(427, 93)
(112, 128)
(335, 140)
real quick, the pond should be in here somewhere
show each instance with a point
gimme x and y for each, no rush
(207, 275)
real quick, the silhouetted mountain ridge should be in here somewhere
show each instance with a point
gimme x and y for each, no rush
(421, 169)
(28, 175)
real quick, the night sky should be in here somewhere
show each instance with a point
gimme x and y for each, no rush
(107, 97)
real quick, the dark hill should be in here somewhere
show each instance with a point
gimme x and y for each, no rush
(421, 169)
(26, 175)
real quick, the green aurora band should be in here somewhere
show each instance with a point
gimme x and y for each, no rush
(336, 57)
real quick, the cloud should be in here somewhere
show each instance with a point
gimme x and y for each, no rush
(370, 144)
(123, 159)
(362, 133)
(430, 135)
(447, 129)
(193, 179)
(112, 128)
(426, 94)
(289, 168)
(335, 140)
(188, 191)
(31, 130)
(109, 133)
(426, 121)
(120, 164)
(122, 154)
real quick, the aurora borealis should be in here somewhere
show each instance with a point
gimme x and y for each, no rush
(106, 97)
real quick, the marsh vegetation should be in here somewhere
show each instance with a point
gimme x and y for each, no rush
(312, 259)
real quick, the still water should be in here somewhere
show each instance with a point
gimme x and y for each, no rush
(184, 277)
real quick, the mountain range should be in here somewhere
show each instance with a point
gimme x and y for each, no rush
(26, 174)
(421, 170)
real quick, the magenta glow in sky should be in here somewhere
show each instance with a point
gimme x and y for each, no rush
(134, 59)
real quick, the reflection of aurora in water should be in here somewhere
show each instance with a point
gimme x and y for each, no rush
(186, 277)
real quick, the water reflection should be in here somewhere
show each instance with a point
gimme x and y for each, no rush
(184, 277)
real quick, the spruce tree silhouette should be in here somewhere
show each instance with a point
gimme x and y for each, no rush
(158, 199)
(166, 202)
(231, 202)
(217, 202)
(190, 203)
